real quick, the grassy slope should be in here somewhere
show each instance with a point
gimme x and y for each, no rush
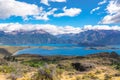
(104, 66)
(12, 49)
(9, 50)
(28, 70)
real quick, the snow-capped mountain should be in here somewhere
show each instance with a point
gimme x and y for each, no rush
(87, 37)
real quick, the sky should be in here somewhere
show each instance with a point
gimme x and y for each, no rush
(59, 16)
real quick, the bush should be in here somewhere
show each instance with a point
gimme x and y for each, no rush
(97, 72)
(107, 77)
(6, 69)
(78, 78)
(35, 63)
(45, 73)
(116, 65)
(90, 76)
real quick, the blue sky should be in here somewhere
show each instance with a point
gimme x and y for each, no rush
(75, 13)
(81, 19)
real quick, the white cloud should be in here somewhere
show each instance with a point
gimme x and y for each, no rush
(27, 11)
(69, 12)
(44, 15)
(53, 29)
(10, 8)
(45, 2)
(95, 9)
(113, 10)
(103, 2)
(113, 7)
(101, 27)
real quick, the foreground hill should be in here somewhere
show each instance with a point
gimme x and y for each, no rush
(100, 66)
(10, 50)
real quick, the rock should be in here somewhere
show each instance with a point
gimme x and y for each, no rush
(114, 55)
(82, 66)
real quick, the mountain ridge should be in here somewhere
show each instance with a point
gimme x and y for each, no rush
(85, 38)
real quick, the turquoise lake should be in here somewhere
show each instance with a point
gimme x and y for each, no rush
(65, 49)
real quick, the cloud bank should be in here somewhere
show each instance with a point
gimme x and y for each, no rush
(53, 29)
(101, 27)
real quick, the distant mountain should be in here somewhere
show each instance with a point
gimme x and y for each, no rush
(68, 38)
(27, 37)
(93, 38)
(85, 38)
(98, 37)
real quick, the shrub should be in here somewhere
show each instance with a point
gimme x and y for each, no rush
(36, 63)
(90, 76)
(45, 73)
(107, 77)
(116, 65)
(78, 78)
(97, 72)
(6, 69)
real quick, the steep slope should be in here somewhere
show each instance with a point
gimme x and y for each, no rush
(86, 38)
(93, 38)
(99, 37)
(27, 37)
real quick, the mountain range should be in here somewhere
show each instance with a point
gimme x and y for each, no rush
(27, 37)
(85, 38)
(97, 37)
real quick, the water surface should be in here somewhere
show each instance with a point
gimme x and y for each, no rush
(67, 49)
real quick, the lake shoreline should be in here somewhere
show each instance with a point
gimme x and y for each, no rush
(57, 49)
(37, 67)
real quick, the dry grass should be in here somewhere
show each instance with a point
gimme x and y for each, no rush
(58, 68)
(13, 49)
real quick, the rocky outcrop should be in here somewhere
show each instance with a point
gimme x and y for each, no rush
(4, 52)
(104, 55)
(82, 66)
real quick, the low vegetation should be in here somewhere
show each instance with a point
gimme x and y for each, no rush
(37, 63)
(101, 66)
